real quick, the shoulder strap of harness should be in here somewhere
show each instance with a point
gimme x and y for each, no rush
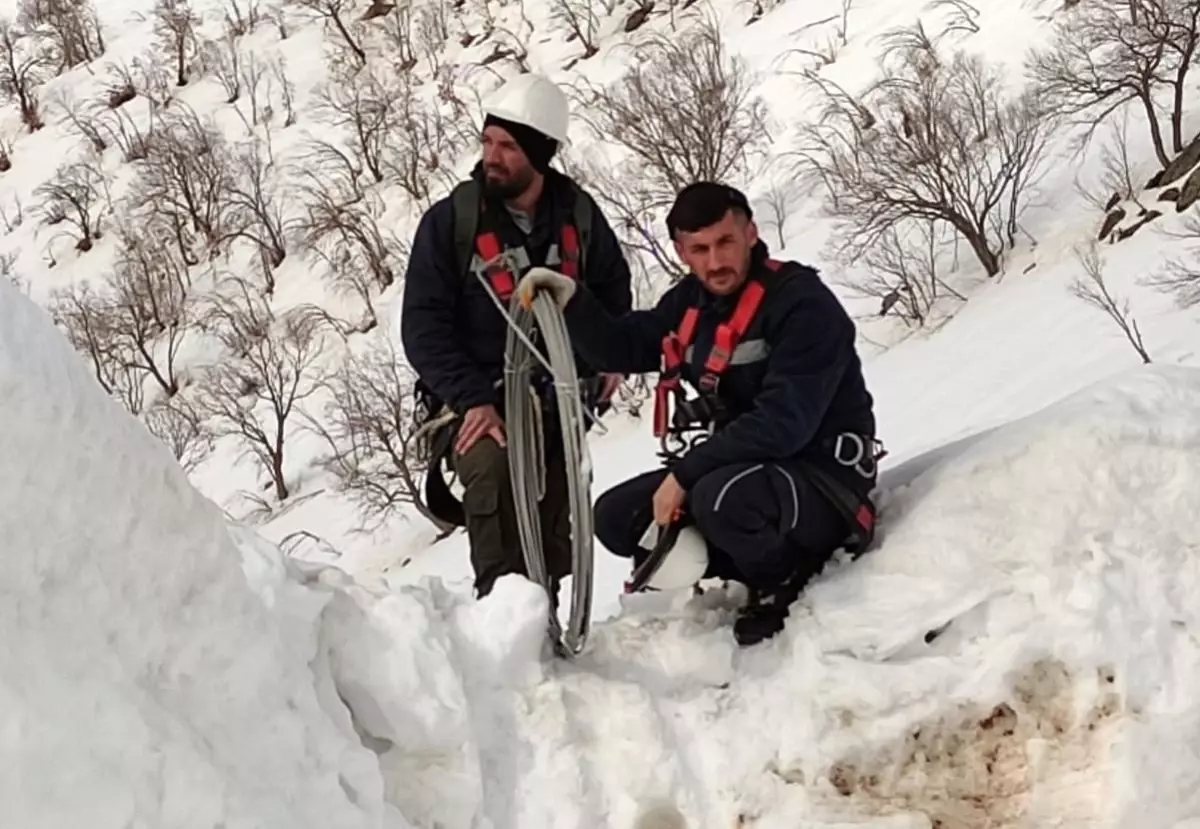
(575, 239)
(725, 341)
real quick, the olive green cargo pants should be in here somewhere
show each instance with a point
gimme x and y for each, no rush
(491, 513)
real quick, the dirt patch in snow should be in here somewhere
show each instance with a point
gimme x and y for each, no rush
(979, 767)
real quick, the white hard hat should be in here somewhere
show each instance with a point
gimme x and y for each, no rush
(685, 563)
(535, 101)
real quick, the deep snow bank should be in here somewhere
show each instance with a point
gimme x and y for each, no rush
(1058, 556)
(143, 683)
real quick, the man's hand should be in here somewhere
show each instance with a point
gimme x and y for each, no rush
(611, 382)
(668, 501)
(561, 287)
(478, 422)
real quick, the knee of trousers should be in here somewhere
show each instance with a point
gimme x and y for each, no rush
(749, 505)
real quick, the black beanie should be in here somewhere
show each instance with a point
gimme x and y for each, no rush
(538, 147)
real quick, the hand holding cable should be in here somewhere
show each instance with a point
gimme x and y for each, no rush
(559, 286)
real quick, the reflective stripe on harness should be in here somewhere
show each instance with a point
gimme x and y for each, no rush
(725, 342)
(500, 275)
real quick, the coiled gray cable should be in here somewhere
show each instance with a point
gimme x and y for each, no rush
(526, 454)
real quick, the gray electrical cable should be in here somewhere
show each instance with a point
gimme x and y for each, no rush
(526, 453)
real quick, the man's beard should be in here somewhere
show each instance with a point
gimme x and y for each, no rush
(508, 188)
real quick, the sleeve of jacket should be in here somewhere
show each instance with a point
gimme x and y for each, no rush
(627, 344)
(812, 344)
(607, 271)
(427, 316)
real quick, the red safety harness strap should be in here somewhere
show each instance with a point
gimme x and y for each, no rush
(725, 342)
(500, 276)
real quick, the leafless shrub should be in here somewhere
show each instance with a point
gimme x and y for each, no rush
(278, 80)
(686, 112)
(76, 195)
(779, 203)
(241, 16)
(1180, 276)
(124, 130)
(336, 13)
(422, 160)
(25, 63)
(433, 30)
(122, 84)
(187, 173)
(176, 22)
(1107, 53)
(341, 226)
(70, 25)
(81, 116)
(8, 270)
(13, 216)
(150, 307)
(87, 320)
(223, 58)
(1119, 179)
(153, 80)
(271, 368)
(398, 36)
(176, 423)
(368, 428)
(905, 273)
(1093, 289)
(254, 73)
(948, 145)
(253, 212)
(961, 16)
(363, 108)
(581, 21)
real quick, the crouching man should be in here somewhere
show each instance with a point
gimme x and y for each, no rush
(784, 478)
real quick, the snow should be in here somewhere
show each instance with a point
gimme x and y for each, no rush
(167, 668)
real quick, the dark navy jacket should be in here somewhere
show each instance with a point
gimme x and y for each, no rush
(795, 380)
(453, 333)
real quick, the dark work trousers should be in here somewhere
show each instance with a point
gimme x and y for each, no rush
(763, 522)
(491, 512)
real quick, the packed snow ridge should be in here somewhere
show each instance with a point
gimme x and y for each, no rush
(1020, 650)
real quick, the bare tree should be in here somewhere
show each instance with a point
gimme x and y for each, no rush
(363, 107)
(1093, 289)
(905, 273)
(422, 161)
(1108, 53)
(961, 16)
(126, 131)
(223, 57)
(270, 370)
(71, 26)
(933, 141)
(581, 21)
(433, 29)
(341, 225)
(1180, 276)
(188, 172)
(89, 324)
(76, 195)
(8, 270)
(398, 35)
(686, 112)
(779, 204)
(241, 16)
(81, 116)
(277, 79)
(176, 423)
(253, 210)
(1119, 179)
(253, 72)
(25, 62)
(176, 22)
(369, 423)
(336, 13)
(151, 306)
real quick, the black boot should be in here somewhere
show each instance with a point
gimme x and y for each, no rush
(766, 612)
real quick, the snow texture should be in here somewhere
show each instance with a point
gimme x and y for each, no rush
(153, 679)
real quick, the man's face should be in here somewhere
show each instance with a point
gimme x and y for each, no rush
(507, 171)
(720, 253)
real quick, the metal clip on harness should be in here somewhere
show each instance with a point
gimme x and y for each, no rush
(526, 468)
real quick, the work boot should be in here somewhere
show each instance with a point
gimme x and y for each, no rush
(766, 612)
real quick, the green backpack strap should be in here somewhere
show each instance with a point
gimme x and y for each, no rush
(465, 200)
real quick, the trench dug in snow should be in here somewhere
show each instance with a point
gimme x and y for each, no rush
(162, 669)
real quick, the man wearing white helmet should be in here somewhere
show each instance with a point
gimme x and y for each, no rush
(514, 212)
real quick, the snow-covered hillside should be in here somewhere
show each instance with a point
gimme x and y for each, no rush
(232, 244)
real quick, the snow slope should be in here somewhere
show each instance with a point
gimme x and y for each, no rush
(152, 681)
(158, 664)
